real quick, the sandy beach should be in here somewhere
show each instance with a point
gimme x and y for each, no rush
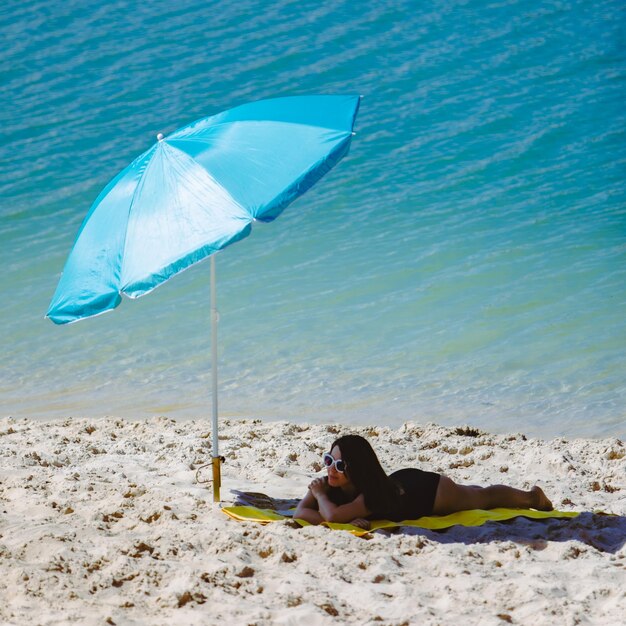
(103, 521)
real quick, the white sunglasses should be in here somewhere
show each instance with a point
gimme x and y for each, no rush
(340, 464)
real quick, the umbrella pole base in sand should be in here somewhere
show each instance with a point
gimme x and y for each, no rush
(217, 477)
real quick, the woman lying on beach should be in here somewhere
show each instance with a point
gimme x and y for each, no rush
(357, 487)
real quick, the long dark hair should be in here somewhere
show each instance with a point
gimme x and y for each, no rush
(366, 473)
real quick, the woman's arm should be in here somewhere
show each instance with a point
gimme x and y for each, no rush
(331, 512)
(307, 510)
(316, 507)
(344, 513)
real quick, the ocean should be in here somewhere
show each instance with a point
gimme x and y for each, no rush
(465, 264)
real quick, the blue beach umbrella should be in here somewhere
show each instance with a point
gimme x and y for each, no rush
(195, 192)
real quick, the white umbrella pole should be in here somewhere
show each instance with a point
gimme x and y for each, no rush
(216, 457)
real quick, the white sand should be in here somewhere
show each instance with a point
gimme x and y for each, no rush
(102, 521)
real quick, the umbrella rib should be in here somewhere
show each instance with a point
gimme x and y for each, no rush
(130, 208)
(183, 137)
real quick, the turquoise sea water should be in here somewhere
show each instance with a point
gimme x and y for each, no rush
(465, 264)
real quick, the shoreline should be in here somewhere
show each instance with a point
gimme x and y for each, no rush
(348, 415)
(102, 519)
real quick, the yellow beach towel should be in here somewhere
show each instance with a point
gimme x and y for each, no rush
(475, 517)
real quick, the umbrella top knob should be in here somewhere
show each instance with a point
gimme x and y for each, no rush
(160, 136)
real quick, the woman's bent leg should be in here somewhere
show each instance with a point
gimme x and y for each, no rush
(451, 498)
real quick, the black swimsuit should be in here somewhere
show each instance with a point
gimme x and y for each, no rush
(418, 490)
(417, 495)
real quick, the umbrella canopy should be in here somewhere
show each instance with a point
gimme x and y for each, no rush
(195, 192)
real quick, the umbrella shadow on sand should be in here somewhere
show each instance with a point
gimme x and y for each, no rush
(605, 533)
